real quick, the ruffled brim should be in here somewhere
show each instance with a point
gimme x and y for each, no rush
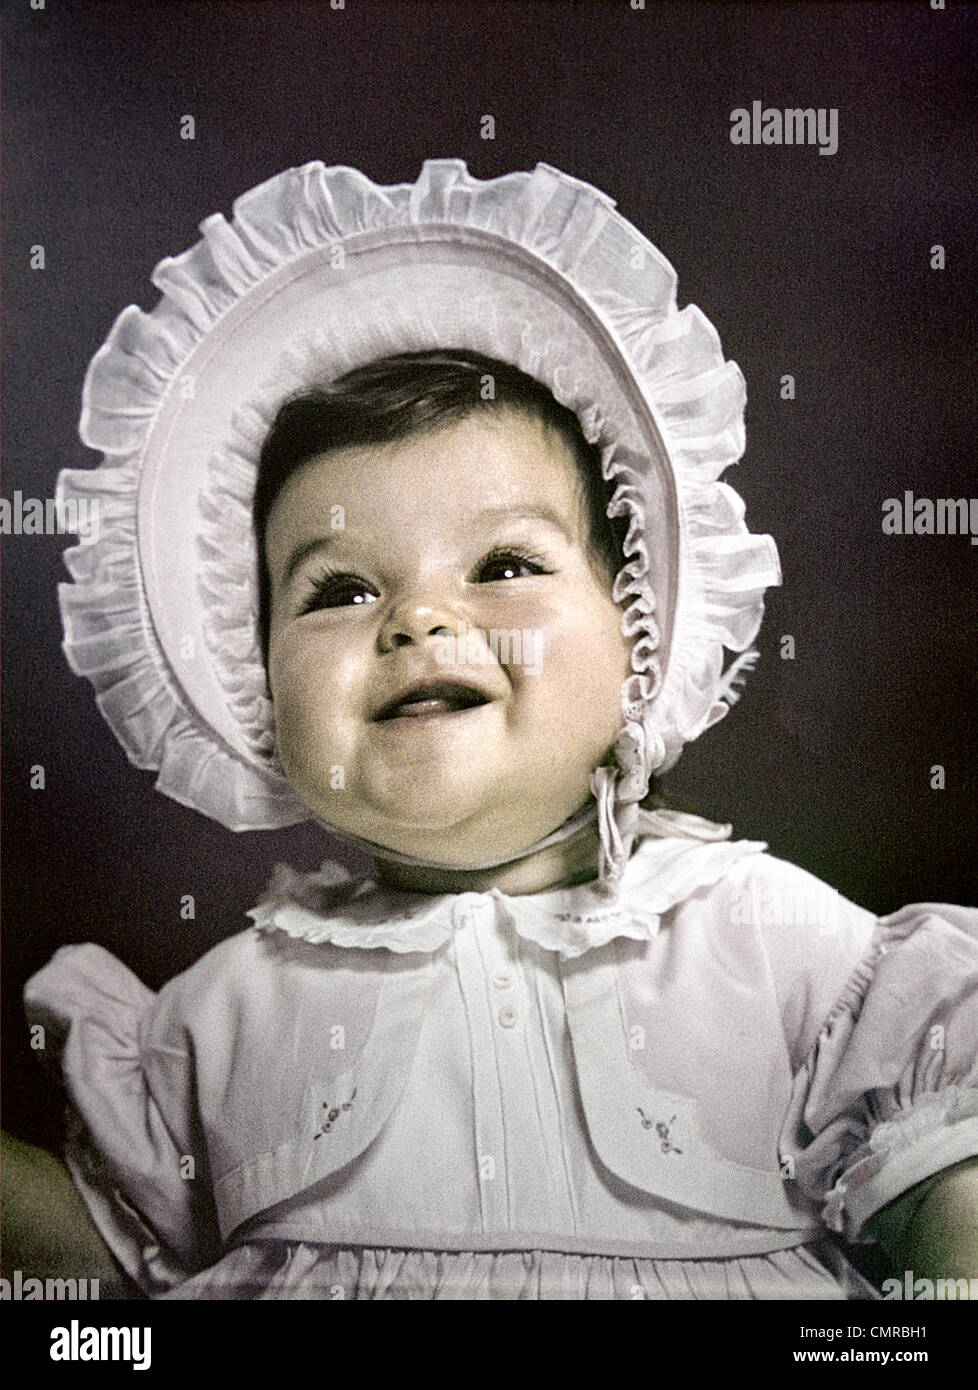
(319, 271)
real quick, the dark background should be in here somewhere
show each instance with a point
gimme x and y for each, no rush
(809, 264)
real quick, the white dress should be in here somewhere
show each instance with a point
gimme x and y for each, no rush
(696, 1090)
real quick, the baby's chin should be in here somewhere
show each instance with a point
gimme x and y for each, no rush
(455, 835)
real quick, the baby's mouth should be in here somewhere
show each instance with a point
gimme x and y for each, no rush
(431, 697)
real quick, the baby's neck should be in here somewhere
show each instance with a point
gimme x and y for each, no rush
(559, 866)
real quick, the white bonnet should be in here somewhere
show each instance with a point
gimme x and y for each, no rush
(320, 271)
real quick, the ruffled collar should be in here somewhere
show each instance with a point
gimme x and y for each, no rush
(332, 906)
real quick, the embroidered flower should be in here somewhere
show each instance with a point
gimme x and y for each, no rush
(333, 1114)
(661, 1128)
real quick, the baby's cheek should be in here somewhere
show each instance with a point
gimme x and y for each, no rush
(598, 662)
(295, 743)
(310, 678)
(579, 691)
(317, 761)
(307, 728)
(591, 647)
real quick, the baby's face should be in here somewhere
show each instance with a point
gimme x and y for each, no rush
(445, 657)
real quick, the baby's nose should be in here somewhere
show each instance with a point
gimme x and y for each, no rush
(405, 639)
(414, 622)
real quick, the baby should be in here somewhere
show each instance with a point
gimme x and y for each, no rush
(560, 1043)
(485, 519)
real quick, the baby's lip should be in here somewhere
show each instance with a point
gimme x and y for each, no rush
(417, 698)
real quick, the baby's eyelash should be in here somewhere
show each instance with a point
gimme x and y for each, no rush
(341, 585)
(514, 552)
(328, 583)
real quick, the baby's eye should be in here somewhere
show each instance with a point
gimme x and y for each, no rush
(337, 591)
(508, 564)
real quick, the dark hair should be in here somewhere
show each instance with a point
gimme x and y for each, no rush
(395, 397)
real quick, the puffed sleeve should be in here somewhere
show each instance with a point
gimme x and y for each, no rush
(133, 1145)
(888, 1093)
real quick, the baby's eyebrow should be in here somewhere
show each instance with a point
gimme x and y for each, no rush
(521, 513)
(490, 514)
(302, 553)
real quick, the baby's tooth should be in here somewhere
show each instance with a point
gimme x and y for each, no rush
(423, 707)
